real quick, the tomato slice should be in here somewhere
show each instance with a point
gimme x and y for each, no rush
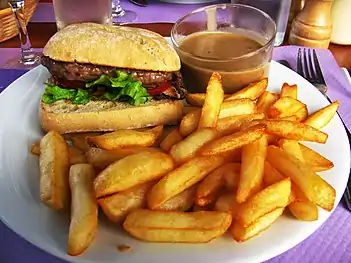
(159, 89)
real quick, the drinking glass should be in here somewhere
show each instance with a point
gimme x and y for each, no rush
(120, 15)
(28, 58)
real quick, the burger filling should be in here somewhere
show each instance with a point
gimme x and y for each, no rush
(81, 83)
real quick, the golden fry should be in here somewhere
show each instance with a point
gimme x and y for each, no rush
(229, 125)
(241, 234)
(35, 148)
(252, 166)
(272, 197)
(54, 169)
(187, 109)
(294, 131)
(265, 101)
(227, 203)
(181, 202)
(292, 147)
(312, 185)
(289, 91)
(232, 176)
(232, 142)
(302, 208)
(182, 178)
(252, 91)
(315, 160)
(171, 139)
(285, 106)
(177, 227)
(198, 99)
(186, 149)
(322, 117)
(84, 209)
(126, 138)
(117, 206)
(213, 100)
(132, 170)
(301, 114)
(76, 156)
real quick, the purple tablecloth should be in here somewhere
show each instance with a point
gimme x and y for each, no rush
(329, 244)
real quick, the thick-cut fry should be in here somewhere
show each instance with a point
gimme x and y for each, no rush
(265, 101)
(177, 227)
(232, 176)
(117, 206)
(315, 160)
(80, 142)
(229, 125)
(290, 118)
(312, 185)
(126, 138)
(198, 99)
(292, 147)
(35, 148)
(171, 139)
(186, 149)
(227, 203)
(132, 170)
(252, 92)
(241, 234)
(181, 202)
(232, 142)
(289, 91)
(84, 209)
(213, 100)
(102, 158)
(212, 184)
(285, 106)
(252, 166)
(294, 130)
(322, 117)
(271, 175)
(54, 170)
(273, 197)
(76, 156)
(190, 121)
(182, 178)
(70, 136)
(302, 114)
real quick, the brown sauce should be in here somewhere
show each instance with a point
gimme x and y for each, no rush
(223, 52)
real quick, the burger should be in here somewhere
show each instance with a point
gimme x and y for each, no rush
(108, 78)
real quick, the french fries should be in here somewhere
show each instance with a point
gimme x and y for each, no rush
(54, 169)
(117, 206)
(181, 202)
(252, 92)
(289, 91)
(84, 210)
(232, 142)
(171, 139)
(294, 130)
(265, 101)
(212, 104)
(76, 156)
(312, 185)
(314, 160)
(186, 149)
(229, 125)
(232, 176)
(35, 148)
(182, 178)
(284, 107)
(187, 109)
(292, 147)
(227, 203)
(322, 117)
(132, 170)
(252, 166)
(126, 138)
(198, 99)
(270, 198)
(177, 227)
(241, 234)
(301, 114)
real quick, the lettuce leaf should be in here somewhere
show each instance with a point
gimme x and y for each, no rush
(123, 87)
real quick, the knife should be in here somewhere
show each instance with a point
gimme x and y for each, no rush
(142, 3)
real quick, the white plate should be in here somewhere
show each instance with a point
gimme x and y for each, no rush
(21, 210)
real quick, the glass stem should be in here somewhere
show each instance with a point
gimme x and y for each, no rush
(117, 10)
(27, 54)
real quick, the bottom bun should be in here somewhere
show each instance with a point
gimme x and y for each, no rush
(65, 117)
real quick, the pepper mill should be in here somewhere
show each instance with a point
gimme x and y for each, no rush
(312, 27)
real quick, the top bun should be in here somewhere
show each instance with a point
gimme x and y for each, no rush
(122, 47)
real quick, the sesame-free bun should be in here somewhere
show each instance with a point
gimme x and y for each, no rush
(115, 46)
(65, 117)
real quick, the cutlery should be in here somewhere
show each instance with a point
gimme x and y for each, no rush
(313, 73)
(143, 3)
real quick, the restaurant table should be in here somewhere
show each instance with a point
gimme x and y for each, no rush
(16, 250)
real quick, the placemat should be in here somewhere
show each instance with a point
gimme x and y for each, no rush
(330, 243)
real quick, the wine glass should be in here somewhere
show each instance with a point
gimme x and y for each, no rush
(121, 16)
(28, 57)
